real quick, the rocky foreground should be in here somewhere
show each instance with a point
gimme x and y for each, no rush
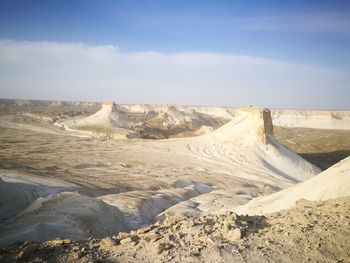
(309, 232)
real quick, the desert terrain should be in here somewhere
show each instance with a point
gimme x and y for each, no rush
(88, 182)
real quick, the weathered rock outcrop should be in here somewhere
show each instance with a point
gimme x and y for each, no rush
(248, 141)
(226, 237)
(261, 121)
(111, 121)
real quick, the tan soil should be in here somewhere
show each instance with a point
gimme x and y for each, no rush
(309, 232)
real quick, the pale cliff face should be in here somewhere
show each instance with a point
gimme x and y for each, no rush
(267, 127)
(109, 106)
(261, 122)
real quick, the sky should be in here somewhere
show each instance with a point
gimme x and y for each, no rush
(278, 54)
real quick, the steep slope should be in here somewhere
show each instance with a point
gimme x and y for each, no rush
(332, 183)
(219, 112)
(68, 215)
(172, 116)
(243, 150)
(110, 121)
(18, 190)
(247, 143)
(110, 115)
(141, 207)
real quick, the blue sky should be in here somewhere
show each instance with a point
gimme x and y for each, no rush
(299, 34)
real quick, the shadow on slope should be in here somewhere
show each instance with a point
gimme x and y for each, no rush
(324, 160)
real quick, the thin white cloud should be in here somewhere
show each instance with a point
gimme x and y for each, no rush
(75, 71)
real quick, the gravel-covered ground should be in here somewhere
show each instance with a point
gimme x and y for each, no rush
(309, 232)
